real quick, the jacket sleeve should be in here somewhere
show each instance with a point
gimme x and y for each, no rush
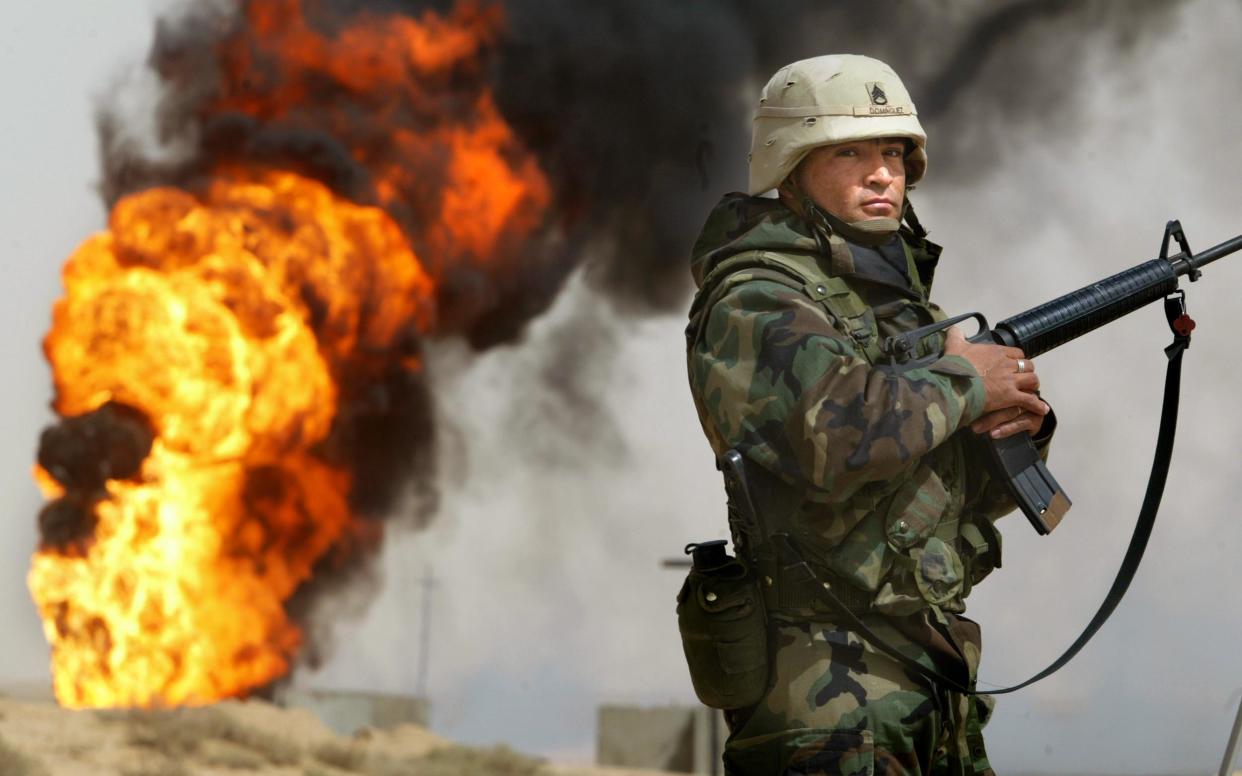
(777, 381)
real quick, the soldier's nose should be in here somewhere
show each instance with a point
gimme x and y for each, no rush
(882, 175)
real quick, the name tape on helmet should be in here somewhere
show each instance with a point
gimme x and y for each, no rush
(836, 110)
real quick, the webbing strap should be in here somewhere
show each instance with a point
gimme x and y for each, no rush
(846, 308)
(1175, 311)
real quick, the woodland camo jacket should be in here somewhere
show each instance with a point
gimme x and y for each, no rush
(884, 490)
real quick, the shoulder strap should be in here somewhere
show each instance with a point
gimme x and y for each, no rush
(923, 252)
(914, 271)
(799, 271)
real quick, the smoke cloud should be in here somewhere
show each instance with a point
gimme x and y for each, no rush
(636, 133)
(641, 110)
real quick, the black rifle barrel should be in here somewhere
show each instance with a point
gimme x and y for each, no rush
(1203, 258)
(1054, 323)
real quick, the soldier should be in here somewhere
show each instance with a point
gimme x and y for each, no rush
(864, 468)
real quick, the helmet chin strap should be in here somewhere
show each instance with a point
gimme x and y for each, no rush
(881, 229)
(871, 232)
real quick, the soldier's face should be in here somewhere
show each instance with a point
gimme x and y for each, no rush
(857, 180)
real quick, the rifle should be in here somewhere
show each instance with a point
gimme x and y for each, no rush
(1014, 460)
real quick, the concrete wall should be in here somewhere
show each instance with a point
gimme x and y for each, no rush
(29, 692)
(346, 712)
(682, 739)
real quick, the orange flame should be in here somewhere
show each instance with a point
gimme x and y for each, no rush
(489, 188)
(230, 316)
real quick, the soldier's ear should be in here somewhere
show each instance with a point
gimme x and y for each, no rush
(790, 188)
(787, 193)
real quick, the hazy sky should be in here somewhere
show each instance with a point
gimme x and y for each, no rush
(54, 59)
(546, 550)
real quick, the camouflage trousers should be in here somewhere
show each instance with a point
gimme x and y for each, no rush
(836, 705)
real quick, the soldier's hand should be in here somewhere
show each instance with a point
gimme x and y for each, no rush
(1007, 422)
(1007, 390)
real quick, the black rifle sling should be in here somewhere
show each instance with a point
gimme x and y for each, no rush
(1180, 324)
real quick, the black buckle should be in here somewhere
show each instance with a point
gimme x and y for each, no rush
(1180, 322)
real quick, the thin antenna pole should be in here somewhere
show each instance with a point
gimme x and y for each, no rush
(1231, 751)
(424, 636)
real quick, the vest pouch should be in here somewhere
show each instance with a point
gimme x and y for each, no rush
(916, 510)
(925, 569)
(981, 546)
(723, 634)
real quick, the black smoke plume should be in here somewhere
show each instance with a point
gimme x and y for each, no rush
(641, 109)
(82, 453)
(638, 111)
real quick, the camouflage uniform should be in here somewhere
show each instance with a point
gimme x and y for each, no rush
(861, 464)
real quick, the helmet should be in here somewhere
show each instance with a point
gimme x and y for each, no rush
(825, 100)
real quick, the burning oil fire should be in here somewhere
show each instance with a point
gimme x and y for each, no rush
(206, 341)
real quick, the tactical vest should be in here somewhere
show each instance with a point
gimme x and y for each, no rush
(898, 546)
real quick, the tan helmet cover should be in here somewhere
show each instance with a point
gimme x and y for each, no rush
(826, 100)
